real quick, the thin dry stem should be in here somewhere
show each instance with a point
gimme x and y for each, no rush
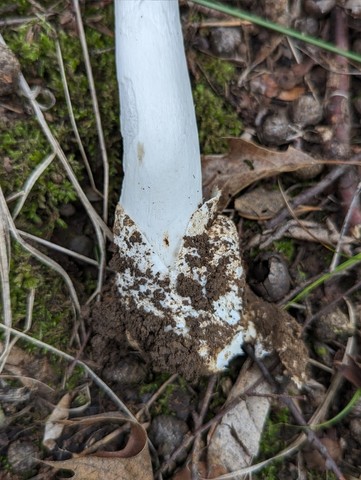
(72, 118)
(98, 121)
(30, 182)
(102, 385)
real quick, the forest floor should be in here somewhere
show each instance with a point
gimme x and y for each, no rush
(279, 128)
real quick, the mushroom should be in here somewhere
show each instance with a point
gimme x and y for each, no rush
(178, 267)
(179, 271)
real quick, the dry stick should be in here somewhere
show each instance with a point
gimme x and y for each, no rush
(330, 306)
(203, 428)
(97, 380)
(306, 196)
(312, 437)
(339, 117)
(345, 227)
(198, 420)
(155, 396)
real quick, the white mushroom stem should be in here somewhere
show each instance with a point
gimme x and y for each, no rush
(179, 270)
(162, 182)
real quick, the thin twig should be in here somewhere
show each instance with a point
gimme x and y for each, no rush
(103, 386)
(30, 182)
(156, 395)
(4, 277)
(307, 195)
(198, 420)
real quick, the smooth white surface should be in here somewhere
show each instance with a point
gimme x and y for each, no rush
(162, 183)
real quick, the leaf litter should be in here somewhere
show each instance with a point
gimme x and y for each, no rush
(234, 172)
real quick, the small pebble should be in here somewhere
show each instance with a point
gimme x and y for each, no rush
(167, 433)
(307, 25)
(9, 71)
(307, 110)
(81, 244)
(225, 41)
(130, 371)
(334, 325)
(276, 129)
(67, 210)
(355, 429)
(269, 277)
(22, 456)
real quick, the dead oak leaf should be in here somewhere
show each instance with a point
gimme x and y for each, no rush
(133, 461)
(246, 163)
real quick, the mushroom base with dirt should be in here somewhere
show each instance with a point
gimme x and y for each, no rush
(193, 317)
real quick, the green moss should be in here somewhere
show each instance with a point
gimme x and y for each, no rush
(272, 442)
(24, 146)
(216, 118)
(52, 312)
(285, 246)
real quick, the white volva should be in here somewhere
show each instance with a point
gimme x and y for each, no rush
(166, 238)
(162, 182)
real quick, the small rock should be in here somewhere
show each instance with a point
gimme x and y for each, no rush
(22, 456)
(180, 403)
(9, 71)
(332, 326)
(307, 110)
(225, 41)
(308, 173)
(276, 129)
(67, 210)
(130, 371)
(307, 25)
(81, 244)
(269, 277)
(167, 433)
(355, 429)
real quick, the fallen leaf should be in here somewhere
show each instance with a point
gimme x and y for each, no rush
(352, 371)
(235, 441)
(245, 163)
(259, 204)
(54, 426)
(132, 462)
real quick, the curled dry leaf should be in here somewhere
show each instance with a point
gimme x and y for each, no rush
(54, 425)
(133, 461)
(351, 371)
(245, 163)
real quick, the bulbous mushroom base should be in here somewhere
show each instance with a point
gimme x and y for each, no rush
(186, 318)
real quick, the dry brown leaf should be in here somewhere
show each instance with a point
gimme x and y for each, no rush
(235, 441)
(352, 371)
(259, 204)
(54, 426)
(132, 462)
(245, 163)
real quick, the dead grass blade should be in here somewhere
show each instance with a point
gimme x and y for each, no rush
(93, 94)
(30, 182)
(72, 118)
(97, 380)
(6, 216)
